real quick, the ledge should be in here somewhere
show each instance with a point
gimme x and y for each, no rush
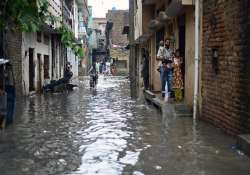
(243, 143)
(171, 108)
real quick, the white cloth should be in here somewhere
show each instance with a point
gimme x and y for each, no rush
(161, 52)
(164, 53)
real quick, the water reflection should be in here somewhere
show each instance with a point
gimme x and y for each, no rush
(82, 132)
(105, 132)
(109, 130)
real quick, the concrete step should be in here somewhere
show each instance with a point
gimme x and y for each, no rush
(177, 109)
(158, 103)
(243, 143)
(182, 110)
(149, 95)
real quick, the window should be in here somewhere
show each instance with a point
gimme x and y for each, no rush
(39, 36)
(46, 67)
(121, 64)
(46, 39)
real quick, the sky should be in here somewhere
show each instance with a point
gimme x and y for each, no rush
(101, 7)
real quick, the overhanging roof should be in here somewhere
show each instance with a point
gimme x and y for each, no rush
(143, 38)
(149, 2)
(176, 6)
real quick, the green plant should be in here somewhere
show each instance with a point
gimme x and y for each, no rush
(23, 15)
(68, 39)
(29, 16)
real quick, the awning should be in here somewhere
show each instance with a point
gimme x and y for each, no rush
(154, 24)
(148, 2)
(176, 6)
(163, 17)
(143, 38)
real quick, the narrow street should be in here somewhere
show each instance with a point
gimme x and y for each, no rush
(105, 132)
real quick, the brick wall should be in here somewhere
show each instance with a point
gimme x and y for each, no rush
(14, 54)
(226, 81)
(118, 17)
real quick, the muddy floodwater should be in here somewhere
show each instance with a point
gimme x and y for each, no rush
(105, 132)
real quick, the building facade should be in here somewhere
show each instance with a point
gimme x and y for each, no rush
(40, 57)
(156, 21)
(99, 51)
(222, 54)
(117, 40)
(84, 16)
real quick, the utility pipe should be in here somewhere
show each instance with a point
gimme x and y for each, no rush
(197, 59)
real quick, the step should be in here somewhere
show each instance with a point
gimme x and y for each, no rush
(149, 95)
(243, 143)
(158, 102)
(182, 110)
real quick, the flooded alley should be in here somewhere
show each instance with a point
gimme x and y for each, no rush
(105, 132)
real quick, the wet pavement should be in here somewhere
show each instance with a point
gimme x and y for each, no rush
(105, 132)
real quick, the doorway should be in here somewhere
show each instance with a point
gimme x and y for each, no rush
(53, 57)
(46, 67)
(39, 81)
(31, 70)
(182, 35)
(160, 36)
(182, 42)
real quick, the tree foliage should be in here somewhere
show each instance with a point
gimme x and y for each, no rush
(23, 15)
(29, 16)
(67, 37)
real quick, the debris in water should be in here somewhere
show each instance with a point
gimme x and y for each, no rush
(158, 167)
(62, 161)
(240, 153)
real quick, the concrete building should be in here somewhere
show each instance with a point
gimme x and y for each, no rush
(99, 24)
(223, 51)
(83, 37)
(40, 57)
(99, 51)
(157, 20)
(118, 41)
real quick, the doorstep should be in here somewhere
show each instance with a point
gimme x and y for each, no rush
(171, 108)
(243, 143)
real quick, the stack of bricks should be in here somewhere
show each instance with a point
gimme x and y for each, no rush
(226, 79)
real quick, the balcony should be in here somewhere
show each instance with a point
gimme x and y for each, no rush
(55, 7)
(67, 16)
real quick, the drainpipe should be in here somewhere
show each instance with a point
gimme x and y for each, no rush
(197, 43)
